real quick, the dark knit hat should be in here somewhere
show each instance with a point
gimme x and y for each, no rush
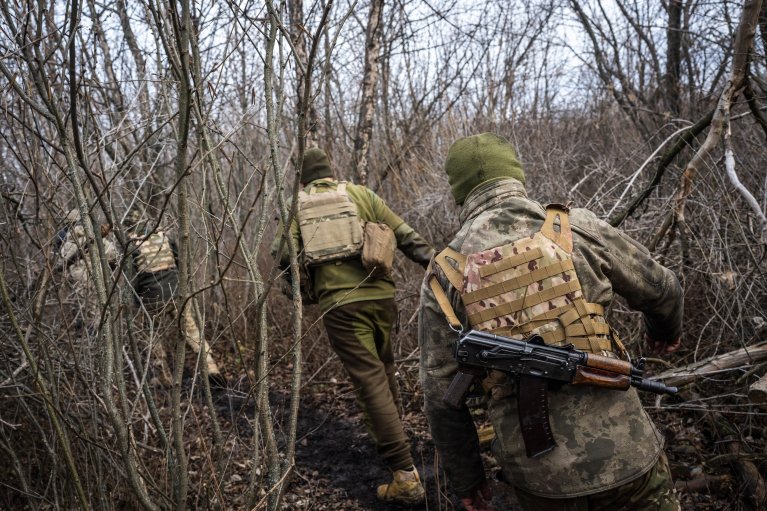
(316, 166)
(474, 160)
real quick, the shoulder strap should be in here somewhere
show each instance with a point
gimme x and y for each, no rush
(563, 237)
(444, 302)
(454, 275)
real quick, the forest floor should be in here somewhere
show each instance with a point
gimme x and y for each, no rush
(337, 467)
(336, 462)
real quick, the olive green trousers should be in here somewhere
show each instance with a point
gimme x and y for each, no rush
(360, 334)
(653, 491)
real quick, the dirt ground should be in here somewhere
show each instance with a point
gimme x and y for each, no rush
(337, 466)
(336, 463)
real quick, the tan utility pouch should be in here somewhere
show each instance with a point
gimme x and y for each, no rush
(378, 247)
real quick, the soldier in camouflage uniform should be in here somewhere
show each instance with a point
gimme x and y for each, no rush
(359, 312)
(72, 248)
(155, 283)
(608, 453)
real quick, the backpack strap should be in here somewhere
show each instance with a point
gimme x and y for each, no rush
(563, 237)
(451, 263)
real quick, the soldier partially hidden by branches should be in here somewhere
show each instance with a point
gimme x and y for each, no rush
(72, 247)
(154, 257)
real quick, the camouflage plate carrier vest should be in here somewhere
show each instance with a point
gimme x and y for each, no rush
(154, 254)
(527, 286)
(330, 225)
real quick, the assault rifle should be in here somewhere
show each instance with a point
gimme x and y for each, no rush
(534, 365)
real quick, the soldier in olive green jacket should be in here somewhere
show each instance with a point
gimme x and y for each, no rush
(358, 314)
(608, 453)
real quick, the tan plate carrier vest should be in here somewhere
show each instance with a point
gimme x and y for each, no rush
(528, 286)
(155, 254)
(329, 224)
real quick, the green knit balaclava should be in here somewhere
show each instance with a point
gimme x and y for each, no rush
(316, 166)
(474, 160)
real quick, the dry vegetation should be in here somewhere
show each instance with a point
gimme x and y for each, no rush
(649, 113)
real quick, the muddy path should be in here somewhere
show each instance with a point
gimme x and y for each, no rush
(337, 466)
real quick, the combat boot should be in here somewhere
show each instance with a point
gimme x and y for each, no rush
(405, 488)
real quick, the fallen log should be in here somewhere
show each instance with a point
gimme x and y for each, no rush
(703, 484)
(714, 365)
(757, 393)
(753, 486)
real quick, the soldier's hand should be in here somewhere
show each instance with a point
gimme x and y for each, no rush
(479, 499)
(662, 347)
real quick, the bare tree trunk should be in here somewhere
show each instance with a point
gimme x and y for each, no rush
(744, 38)
(182, 26)
(262, 381)
(328, 135)
(303, 86)
(279, 473)
(369, 86)
(673, 56)
(208, 151)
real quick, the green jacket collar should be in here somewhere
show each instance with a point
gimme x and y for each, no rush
(324, 181)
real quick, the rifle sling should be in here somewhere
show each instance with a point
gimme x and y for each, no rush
(533, 409)
(444, 303)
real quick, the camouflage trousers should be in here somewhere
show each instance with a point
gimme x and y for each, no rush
(653, 491)
(165, 328)
(360, 333)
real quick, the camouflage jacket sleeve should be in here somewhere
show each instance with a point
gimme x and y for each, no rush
(453, 431)
(409, 241)
(73, 245)
(647, 286)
